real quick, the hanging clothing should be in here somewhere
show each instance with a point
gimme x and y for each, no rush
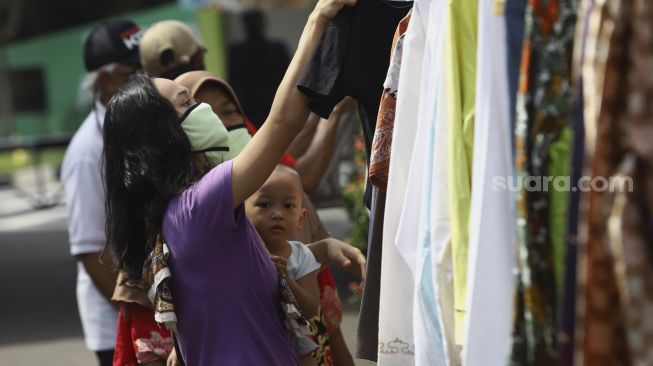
(380, 156)
(542, 114)
(367, 333)
(559, 166)
(368, 326)
(514, 17)
(352, 59)
(601, 328)
(616, 252)
(396, 341)
(437, 183)
(491, 253)
(636, 231)
(567, 318)
(413, 238)
(460, 64)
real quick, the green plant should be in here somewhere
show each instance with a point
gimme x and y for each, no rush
(353, 196)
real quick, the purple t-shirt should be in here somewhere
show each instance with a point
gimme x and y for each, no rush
(225, 287)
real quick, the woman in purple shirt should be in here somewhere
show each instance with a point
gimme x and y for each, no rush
(226, 290)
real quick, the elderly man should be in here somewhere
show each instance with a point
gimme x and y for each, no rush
(110, 57)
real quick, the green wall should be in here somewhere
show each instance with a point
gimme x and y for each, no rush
(60, 56)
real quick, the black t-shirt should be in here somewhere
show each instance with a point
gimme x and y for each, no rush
(353, 58)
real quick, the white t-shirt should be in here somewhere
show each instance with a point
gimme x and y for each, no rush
(301, 261)
(81, 175)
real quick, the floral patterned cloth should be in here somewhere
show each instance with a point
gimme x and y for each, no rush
(382, 141)
(543, 103)
(140, 340)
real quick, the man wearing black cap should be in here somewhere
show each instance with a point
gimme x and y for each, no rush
(110, 57)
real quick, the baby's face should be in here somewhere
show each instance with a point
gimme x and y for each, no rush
(276, 208)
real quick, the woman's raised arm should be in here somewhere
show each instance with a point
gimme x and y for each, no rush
(288, 113)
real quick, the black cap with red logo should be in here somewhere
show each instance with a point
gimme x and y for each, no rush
(112, 41)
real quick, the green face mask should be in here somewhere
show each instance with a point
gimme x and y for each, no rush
(238, 138)
(206, 132)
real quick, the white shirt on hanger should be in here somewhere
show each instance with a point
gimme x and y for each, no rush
(396, 341)
(414, 233)
(491, 252)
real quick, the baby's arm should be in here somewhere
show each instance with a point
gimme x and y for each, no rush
(305, 289)
(307, 292)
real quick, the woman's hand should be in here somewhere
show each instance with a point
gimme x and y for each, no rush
(288, 114)
(325, 10)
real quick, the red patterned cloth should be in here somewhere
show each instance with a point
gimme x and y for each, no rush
(286, 159)
(328, 320)
(140, 340)
(330, 302)
(382, 141)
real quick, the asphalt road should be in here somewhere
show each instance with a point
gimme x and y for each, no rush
(40, 324)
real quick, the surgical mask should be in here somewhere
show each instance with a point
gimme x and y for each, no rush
(206, 132)
(238, 138)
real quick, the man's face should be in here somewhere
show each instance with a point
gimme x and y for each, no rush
(114, 79)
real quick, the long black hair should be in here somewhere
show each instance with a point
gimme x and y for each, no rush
(147, 160)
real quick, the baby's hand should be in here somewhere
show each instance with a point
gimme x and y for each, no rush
(281, 263)
(172, 359)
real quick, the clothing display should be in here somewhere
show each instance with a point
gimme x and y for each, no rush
(415, 227)
(367, 332)
(396, 308)
(460, 65)
(352, 59)
(512, 201)
(382, 141)
(491, 254)
(543, 104)
(615, 250)
(514, 12)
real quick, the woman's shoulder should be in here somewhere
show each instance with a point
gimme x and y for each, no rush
(208, 202)
(216, 182)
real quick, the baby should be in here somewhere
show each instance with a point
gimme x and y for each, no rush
(277, 213)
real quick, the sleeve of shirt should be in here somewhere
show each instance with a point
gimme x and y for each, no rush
(322, 82)
(212, 201)
(306, 260)
(84, 189)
